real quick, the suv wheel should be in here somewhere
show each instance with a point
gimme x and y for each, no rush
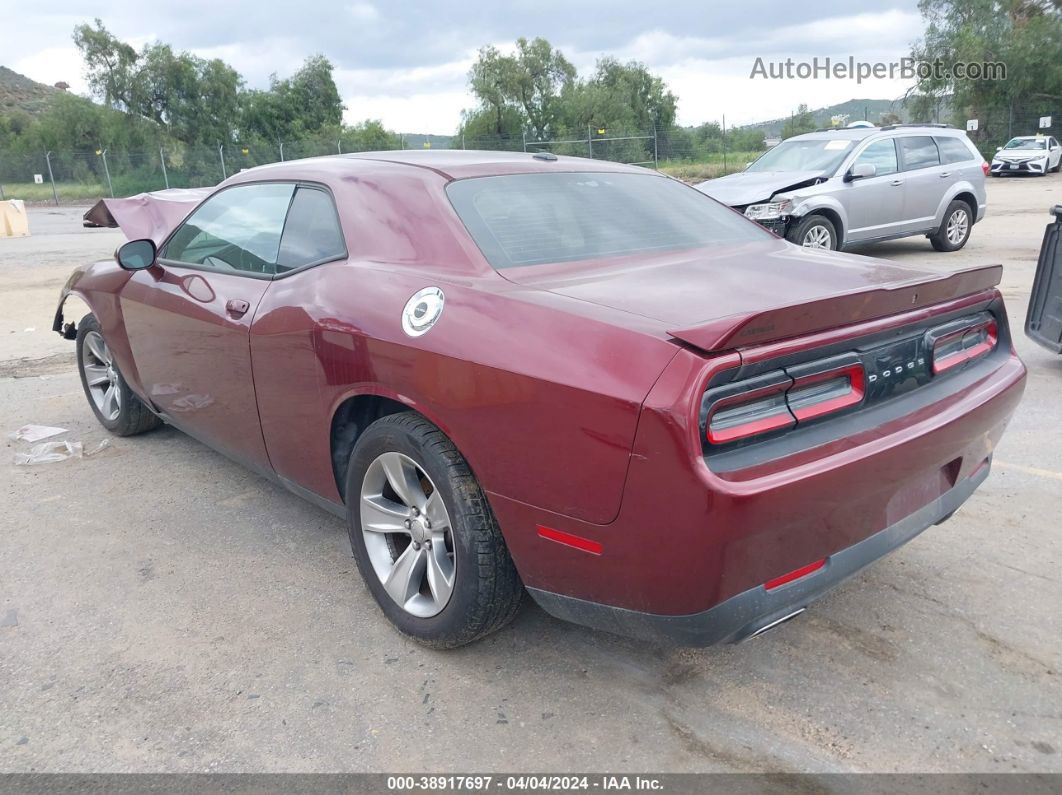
(955, 230)
(814, 231)
(424, 537)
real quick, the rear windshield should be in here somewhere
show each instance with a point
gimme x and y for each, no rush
(530, 219)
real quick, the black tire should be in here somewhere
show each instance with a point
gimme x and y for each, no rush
(940, 240)
(133, 416)
(486, 586)
(809, 225)
(1056, 169)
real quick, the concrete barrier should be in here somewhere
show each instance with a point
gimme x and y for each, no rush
(13, 220)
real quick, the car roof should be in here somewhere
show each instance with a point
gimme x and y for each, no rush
(859, 133)
(453, 163)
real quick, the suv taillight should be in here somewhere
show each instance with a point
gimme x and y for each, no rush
(954, 346)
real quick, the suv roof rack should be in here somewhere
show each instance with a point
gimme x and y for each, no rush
(918, 124)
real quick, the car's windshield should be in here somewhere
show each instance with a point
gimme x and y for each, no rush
(530, 219)
(809, 154)
(1026, 143)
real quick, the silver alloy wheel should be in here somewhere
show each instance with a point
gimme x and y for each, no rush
(817, 237)
(101, 377)
(407, 534)
(958, 223)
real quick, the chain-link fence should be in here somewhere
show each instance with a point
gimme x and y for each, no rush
(689, 153)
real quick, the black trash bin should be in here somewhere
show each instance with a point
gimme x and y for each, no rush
(1043, 324)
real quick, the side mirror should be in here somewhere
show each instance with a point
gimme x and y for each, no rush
(136, 254)
(861, 171)
(999, 148)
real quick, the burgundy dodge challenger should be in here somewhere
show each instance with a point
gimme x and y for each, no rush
(578, 378)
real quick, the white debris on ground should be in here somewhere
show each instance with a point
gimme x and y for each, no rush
(34, 433)
(54, 452)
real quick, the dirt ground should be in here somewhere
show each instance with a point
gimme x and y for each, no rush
(161, 609)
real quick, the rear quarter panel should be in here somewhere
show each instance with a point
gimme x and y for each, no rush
(543, 402)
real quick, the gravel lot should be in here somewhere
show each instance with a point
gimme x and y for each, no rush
(161, 609)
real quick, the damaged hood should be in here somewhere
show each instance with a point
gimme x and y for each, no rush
(147, 215)
(748, 187)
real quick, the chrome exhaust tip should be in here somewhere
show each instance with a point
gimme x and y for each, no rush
(777, 622)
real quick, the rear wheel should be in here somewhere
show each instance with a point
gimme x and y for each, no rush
(115, 405)
(814, 231)
(955, 230)
(424, 537)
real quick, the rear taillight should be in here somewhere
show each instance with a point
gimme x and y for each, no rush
(749, 414)
(969, 342)
(985, 167)
(754, 408)
(781, 399)
(824, 393)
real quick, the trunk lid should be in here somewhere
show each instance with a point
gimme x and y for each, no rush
(728, 297)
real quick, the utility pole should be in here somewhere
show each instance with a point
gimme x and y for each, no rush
(51, 178)
(165, 176)
(724, 144)
(590, 141)
(107, 171)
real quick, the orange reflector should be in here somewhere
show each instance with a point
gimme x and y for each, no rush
(795, 574)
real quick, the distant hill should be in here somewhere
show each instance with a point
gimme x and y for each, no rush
(418, 141)
(855, 109)
(18, 92)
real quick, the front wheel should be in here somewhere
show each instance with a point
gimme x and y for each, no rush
(814, 231)
(955, 230)
(115, 405)
(424, 537)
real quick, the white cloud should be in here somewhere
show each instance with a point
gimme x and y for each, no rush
(407, 63)
(54, 64)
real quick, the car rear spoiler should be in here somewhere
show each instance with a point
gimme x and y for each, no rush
(146, 215)
(753, 328)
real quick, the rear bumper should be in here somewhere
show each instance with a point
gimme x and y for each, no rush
(756, 609)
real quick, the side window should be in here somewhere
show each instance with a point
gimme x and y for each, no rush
(953, 150)
(919, 151)
(881, 155)
(237, 229)
(312, 233)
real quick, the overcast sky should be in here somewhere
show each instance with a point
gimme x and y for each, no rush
(407, 62)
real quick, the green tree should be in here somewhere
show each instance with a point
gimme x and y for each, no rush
(193, 99)
(1025, 35)
(530, 81)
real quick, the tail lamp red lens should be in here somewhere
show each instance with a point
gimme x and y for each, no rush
(749, 414)
(985, 167)
(964, 345)
(782, 405)
(824, 393)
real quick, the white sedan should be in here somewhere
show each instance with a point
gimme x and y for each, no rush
(1027, 154)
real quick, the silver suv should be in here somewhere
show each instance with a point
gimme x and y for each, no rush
(834, 189)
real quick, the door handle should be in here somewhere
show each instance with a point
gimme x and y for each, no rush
(896, 182)
(945, 174)
(237, 307)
